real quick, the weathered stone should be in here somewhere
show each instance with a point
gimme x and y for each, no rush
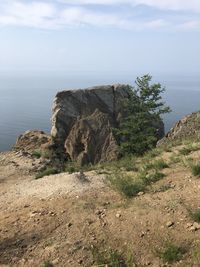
(187, 128)
(32, 140)
(82, 123)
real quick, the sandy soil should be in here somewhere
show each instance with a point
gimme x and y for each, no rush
(63, 218)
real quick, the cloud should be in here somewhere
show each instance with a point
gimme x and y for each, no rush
(34, 14)
(78, 13)
(193, 5)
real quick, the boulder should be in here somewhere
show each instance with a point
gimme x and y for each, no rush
(32, 140)
(186, 128)
(83, 119)
(91, 140)
(82, 122)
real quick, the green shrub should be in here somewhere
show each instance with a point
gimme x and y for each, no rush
(128, 163)
(196, 169)
(164, 188)
(174, 159)
(149, 178)
(112, 258)
(47, 154)
(187, 150)
(156, 165)
(196, 254)
(46, 172)
(47, 264)
(126, 185)
(160, 164)
(137, 132)
(37, 154)
(71, 168)
(172, 253)
(195, 215)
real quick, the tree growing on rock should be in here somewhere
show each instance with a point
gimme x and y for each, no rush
(138, 131)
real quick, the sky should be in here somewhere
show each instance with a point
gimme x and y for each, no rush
(118, 36)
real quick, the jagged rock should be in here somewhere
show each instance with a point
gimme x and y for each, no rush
(91, 140)
(32, 140)
(82, 123)
(188, 127)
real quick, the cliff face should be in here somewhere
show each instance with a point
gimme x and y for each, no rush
(82, 122)
(188, 127)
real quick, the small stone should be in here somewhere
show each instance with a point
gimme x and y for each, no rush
(169, 224)
(142, 234)
(69, 224)
(80, 261)
(192, 229)
(140, 193)
(118, 215)
(55, 262)
(188, 225)
(98, 212)
(196, 225)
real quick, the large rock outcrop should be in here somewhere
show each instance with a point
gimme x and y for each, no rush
(33, 140)
(82, 122)
(186, 128)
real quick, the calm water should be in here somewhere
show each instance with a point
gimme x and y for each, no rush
(26, 101)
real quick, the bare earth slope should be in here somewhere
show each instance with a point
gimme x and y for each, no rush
(67, 220)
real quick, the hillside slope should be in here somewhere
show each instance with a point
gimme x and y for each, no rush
(81, 220)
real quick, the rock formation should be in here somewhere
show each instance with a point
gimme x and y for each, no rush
(187, 128)
(33, 140)
(82, 122)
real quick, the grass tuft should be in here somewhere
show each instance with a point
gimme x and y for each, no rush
(196, 169)
(172, 253)
(46, 172)
(36, 154)
(195, 215)
(149, 178)
(112, 258)
(47, 264)
(126, 185)
(160, 164)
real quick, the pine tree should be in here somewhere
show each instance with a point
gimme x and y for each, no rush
(137, 132)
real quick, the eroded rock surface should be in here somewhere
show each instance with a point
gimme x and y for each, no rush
(186, 128)
(33, 140)
(82, 122)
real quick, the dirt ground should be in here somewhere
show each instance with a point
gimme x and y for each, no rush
(63, 218)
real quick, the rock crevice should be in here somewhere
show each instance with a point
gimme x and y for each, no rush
(82, 122)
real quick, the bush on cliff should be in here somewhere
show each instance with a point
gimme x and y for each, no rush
(139, 131)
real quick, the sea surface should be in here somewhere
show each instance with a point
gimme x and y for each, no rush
(26, 100)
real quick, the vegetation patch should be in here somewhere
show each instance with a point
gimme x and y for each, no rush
(196, 254)
(36, 154)
(156, 165)
(47, 264)
(195, 215)
(126, 184)
(160, 164)
(196, 169)
(172, 253)
(72, 167)
(190, 148)
(164, 188)
(111, 258)
(47, 172)
(149, 178)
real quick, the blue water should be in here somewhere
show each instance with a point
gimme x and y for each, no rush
(26, 100)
